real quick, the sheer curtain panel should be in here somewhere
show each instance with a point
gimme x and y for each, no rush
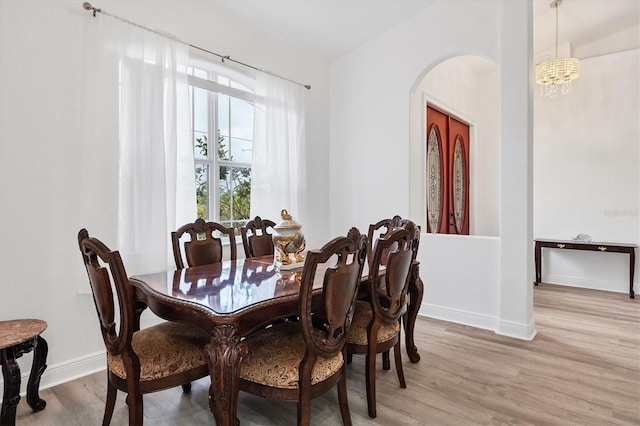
(278, 178)
(138, 172)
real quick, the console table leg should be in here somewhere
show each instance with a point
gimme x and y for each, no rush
(37, 368)
(538, 259)
(632, 264)
(11, 395)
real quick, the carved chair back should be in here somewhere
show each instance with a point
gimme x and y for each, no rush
(382, 229)
(325, 325)
(205, 245)
(106, 274)
(395, 253)
(257, 241)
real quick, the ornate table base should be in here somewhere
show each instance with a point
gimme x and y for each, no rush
(416, 289)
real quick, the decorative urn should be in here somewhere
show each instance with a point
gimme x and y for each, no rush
(289, 242)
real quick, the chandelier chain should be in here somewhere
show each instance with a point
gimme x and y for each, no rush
(557, 29)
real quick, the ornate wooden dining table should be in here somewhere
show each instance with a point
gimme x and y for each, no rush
(230, 300)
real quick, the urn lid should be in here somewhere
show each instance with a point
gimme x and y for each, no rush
(287, 223)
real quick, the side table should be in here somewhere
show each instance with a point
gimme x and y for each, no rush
(16, 338)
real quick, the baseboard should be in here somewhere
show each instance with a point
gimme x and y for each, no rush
(458, 316)
(517, 330)
(65, 371)
(486, 322)
(573, 281)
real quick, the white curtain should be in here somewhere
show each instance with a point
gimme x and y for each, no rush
(138, 178)
(278, 178)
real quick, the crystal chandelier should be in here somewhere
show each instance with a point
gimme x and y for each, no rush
(554, 76)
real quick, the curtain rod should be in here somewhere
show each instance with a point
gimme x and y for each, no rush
(89, 7)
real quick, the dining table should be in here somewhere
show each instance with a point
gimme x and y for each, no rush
(232, 299)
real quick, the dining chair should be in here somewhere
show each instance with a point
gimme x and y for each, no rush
(376, 324)
(376, 231)
(257, 241)
(205, 243)
(299, 360)
(139, 361)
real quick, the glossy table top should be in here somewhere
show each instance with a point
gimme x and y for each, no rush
(228, 286)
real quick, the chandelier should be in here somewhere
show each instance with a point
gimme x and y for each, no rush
(554, 76)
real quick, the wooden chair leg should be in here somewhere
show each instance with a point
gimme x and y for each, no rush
(342, 398)
(135, 409)
(186, 388)
(349, 358)
(370, 379)
(386, 364)
(304, 412)
(110, 403)
(304, 393)
(398, 359)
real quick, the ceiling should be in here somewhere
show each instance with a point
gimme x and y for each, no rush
(581, 22)
(329, 27)
(332, 28)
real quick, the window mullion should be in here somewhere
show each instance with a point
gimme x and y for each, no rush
(214, 202)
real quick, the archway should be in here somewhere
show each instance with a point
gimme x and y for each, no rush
(468, 87)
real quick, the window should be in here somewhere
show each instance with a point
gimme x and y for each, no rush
(222, 114)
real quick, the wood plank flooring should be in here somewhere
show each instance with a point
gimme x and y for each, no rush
(583, 368)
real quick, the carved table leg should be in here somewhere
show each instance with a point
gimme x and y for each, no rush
(37, 368)
(416, 288)
(11, 395)
(224, 354)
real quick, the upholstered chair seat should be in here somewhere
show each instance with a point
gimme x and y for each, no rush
(275, 355)
(362, 317)
(164, 350)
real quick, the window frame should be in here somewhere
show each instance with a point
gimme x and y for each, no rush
(213, 162)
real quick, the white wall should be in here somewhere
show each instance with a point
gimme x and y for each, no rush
(373, 152)
(41, 46)
(587, 179)
(461, 285)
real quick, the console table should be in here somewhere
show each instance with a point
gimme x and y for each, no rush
(592, 246)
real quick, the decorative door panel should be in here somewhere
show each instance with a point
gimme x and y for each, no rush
(447, 174)
(437, 198)
(459, 177)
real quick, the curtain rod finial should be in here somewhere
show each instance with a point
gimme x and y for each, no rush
(87, 6)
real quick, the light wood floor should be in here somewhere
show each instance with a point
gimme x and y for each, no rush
(583, 368)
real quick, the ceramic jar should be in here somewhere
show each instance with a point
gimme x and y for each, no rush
(288, 241)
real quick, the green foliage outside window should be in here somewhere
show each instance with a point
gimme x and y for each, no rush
(234, 186)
